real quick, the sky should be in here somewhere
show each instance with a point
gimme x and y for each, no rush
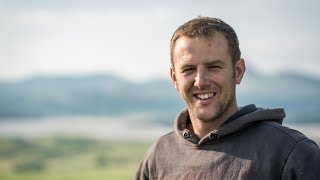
(131, 38)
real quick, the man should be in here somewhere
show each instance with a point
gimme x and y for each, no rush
(213, 138)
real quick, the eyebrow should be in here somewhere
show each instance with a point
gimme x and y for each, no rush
(213, 62)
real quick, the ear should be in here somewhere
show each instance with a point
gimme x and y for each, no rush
(240, 69)
(173, 77)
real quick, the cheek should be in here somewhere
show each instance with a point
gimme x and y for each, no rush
(225, 77)
(225, 81)
(183, 86)
(219, 78)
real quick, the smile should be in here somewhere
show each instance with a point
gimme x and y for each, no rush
(204, 96)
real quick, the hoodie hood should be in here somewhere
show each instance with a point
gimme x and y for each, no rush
(236, 125)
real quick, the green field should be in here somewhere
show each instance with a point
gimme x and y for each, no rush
(68, 158)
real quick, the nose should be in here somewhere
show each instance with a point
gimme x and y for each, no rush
(201, 79)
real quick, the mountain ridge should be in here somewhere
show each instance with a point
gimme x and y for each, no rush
(110, 95)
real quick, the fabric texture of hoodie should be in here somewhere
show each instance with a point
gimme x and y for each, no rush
(252, 146)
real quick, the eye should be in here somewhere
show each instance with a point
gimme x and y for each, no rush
(214, 67)
(188, 70)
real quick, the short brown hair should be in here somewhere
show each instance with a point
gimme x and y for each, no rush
(204, 27)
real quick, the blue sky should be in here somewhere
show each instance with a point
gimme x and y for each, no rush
(131, 38)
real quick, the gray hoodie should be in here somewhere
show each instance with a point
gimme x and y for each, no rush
(253, 146)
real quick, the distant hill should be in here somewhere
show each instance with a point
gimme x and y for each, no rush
(298, 94)
(107, 95)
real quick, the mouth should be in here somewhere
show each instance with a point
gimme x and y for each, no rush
(204, 96)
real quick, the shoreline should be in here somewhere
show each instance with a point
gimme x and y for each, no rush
(118, 128)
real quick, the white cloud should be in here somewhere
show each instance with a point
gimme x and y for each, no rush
(134, 42)
(126, 42)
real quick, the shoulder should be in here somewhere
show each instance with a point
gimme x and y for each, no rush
(295, 141)
(282, 138)
(285, 132)
(296, 153)
(164, 141)
(147, 165)
(302, 160)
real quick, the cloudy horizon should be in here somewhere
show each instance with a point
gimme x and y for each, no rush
(131, 39)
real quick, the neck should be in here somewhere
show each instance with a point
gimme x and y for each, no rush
(201, 128)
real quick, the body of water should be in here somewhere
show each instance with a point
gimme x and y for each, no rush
(126, 128)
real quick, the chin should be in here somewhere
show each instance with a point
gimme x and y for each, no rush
(206, 117)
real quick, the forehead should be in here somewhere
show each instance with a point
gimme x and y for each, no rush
(211, 48)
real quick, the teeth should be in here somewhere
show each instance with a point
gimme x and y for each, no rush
(204, 96)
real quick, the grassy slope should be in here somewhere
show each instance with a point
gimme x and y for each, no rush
(60, 158)
(69, 158)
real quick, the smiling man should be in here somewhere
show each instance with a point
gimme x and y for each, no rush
(205, 76)
(213, 137)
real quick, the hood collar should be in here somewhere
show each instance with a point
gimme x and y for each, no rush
(238, 124)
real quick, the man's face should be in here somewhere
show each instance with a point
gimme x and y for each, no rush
(205, 77)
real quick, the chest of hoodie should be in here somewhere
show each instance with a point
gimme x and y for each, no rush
(251, 150)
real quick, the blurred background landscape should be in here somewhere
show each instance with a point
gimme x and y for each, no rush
(85, 88)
